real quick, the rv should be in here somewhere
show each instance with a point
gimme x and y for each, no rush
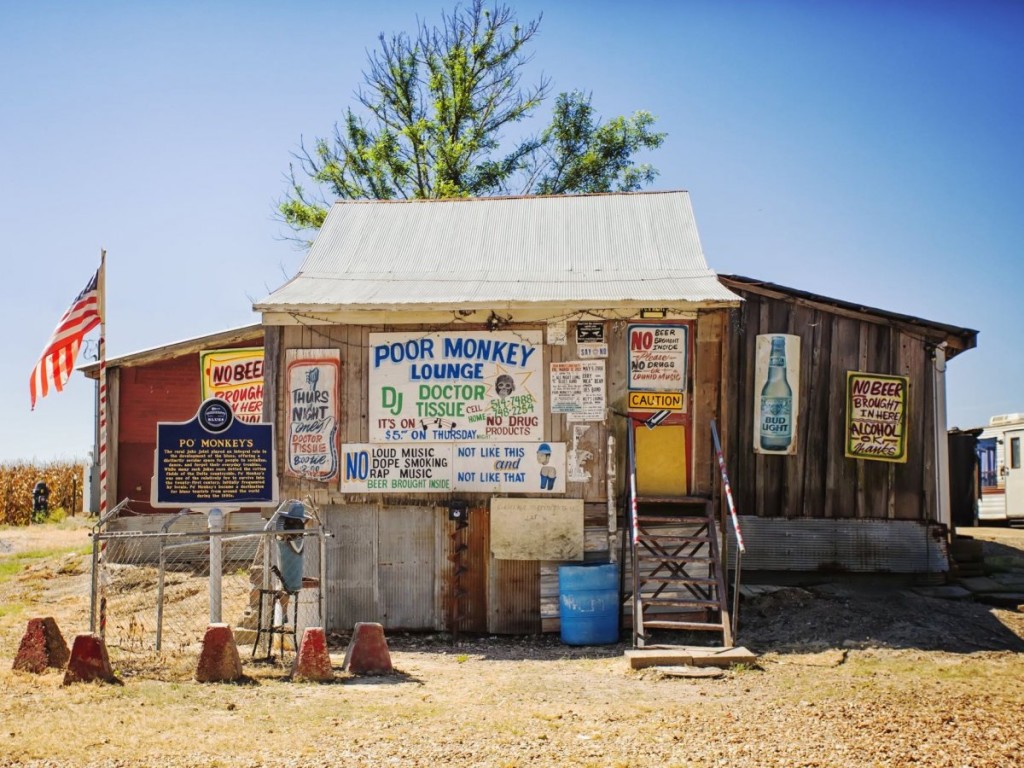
(1001, 475)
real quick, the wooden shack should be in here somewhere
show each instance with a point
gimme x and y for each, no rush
(822, 508)
(469, 341)
(167, 384)
(455, 383)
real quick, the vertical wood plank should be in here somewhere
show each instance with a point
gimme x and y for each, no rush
(815, 414)
(841, 478)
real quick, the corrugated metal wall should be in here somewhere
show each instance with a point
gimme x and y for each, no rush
(839, 546)
(381, 566)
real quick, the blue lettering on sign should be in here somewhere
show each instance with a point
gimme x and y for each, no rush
(357, 466)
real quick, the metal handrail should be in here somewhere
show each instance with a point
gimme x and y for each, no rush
(740, 548)
(634, 531)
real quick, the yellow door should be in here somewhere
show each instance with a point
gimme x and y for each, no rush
(661, 463)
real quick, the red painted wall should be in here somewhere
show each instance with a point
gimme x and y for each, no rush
(168, 390)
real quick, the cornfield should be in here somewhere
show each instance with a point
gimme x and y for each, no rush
(17, 480)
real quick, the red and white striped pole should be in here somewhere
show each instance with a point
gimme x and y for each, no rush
(102, 286)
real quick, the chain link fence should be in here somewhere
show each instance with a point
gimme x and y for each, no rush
(151, 585)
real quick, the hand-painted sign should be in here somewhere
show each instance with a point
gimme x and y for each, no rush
(876, 416)
(234, 375)
(444, 467)
(312, 378)
(213, 460)
(656, 401)
(657, 357)
(578, 390)
(456, 387)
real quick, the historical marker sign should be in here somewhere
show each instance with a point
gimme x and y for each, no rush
(214, 460)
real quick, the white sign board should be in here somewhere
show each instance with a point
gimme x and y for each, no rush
(456, 387)
(444, 467)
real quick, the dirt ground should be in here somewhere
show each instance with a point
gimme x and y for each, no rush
(848, 675)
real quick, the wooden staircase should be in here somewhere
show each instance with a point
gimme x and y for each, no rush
(678, 578)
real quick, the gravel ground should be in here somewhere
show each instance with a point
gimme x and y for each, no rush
(847, 677)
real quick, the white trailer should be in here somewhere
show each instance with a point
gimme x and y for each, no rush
(1001, 480)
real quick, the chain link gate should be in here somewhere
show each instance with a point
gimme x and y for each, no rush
(150, 596)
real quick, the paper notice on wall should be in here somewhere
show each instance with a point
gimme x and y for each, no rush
(578, 390)
(576, 457)
(558, 333)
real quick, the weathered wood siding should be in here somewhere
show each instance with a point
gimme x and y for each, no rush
(497, 596)
(819, 481)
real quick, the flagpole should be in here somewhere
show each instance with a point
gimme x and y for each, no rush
(102, 286)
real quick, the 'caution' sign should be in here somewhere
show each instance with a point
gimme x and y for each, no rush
(656, 401)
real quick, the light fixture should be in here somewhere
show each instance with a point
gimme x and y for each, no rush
(649, 312)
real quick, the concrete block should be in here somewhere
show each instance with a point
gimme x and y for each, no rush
(367, 652)
(313, 662)
(42, 646)
(89, 661)
(219, 661)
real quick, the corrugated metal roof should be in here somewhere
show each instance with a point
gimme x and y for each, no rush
(176, 348)
(959, 339)
(640, 247)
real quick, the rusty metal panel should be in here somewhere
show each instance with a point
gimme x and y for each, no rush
(514, 599)
(861, 546)
(463, 572)
(406, 566)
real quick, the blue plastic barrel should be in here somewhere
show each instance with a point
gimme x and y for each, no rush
(588, 600)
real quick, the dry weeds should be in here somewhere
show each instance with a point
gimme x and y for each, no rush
(848, 678)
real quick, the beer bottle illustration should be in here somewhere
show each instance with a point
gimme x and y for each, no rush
(776, 417)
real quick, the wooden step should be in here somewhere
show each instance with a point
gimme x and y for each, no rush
(654, 540)
(672, 519)
(677, 580)
(680, 500)
(680, 602)
(652, 556)
(684, 625)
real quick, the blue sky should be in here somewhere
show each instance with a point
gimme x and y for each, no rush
(868, 150)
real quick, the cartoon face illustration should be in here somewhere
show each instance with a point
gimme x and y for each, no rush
(505, 385)
(543, 453)
(547, 472)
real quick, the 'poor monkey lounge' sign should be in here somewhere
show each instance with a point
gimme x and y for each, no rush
(456, 387)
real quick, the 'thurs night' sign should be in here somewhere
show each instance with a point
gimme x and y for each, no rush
(312, 378)
(456, 387)
(214, 460)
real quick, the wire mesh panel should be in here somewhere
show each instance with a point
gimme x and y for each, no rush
(151, 590)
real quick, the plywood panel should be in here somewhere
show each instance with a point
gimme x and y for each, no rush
(840, 499)
(707, 397)
(537, 529)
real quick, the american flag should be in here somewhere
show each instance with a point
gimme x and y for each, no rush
(58, 360)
